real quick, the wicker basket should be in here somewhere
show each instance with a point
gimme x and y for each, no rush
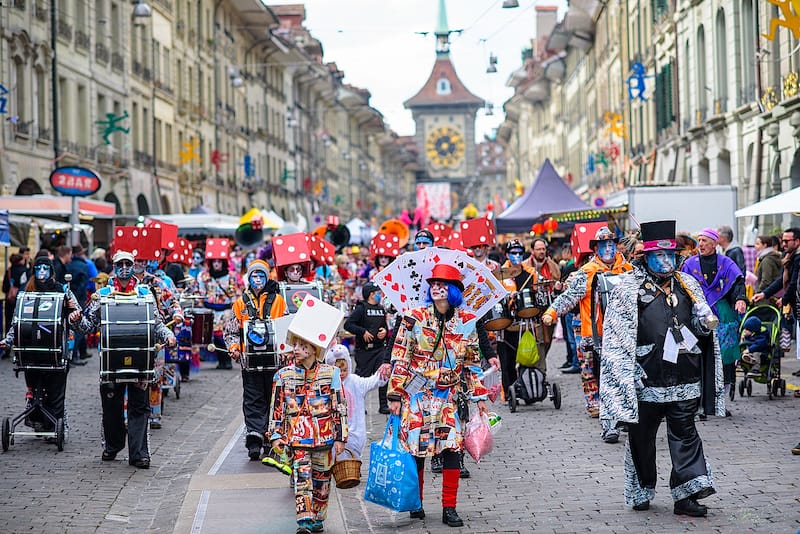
(347, 471)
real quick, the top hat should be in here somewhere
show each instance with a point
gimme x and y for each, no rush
(658, 235)
(446, 273)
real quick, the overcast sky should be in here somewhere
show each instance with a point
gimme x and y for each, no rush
(375, 44)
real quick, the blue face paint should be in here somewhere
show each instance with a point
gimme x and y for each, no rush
(420, 244)
(42, 271)
(378, 297)
(257, 280)
(123, 270)
(515, 258)
(151, 266)
(660, 261)
(606, 250)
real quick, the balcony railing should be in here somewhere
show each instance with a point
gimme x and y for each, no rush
(142, 159)
(40, 13)
(82, 40)
(23, 128)
(45, 134)
(117, 62)
(64, 30)
(101, 53)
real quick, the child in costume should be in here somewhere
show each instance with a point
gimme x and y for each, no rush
(356, 389)
(308, 413)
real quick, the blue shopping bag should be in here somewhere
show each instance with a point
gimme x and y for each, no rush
(392, 481)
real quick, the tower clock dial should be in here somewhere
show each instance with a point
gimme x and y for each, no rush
(445, 147)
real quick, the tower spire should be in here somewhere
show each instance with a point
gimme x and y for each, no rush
(442, 31)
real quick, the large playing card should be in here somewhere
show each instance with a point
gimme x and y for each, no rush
(404, 281)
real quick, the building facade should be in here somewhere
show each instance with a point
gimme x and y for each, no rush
(186, 103)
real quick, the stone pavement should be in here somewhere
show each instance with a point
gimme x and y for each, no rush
(549, 472)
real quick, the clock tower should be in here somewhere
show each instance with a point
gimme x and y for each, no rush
(444, 113)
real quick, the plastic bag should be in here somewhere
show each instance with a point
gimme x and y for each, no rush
(478, 439)
(527, 350)
(392, 480)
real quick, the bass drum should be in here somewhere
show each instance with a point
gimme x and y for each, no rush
(259, 352)
(41, 331)
(202, 326)
(127, 339)
(498, 317)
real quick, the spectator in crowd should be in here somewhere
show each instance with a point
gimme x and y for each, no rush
(731, 248)
(790, 240)
(63, 257)
(14, 281)
(768, 262)
(82, 271)
(26, 257)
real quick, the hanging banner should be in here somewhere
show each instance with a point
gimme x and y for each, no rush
(434, 199)
(75, 181)
(5, 238)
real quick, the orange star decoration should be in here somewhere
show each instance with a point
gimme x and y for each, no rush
(790, 9)
(614, 124)
(189, 152)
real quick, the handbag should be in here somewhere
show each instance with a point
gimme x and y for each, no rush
(392, 480)
(478, 439)
(527, 350)
(786, 339)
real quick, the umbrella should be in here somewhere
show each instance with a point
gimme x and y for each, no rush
(404, 281)
(787, 202)
(322, 251)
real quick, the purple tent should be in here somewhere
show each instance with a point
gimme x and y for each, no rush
(548, 194)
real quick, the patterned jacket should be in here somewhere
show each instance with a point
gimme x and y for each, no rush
(308, 407)
(621, 386)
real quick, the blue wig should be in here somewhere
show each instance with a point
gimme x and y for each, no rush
(454, 296)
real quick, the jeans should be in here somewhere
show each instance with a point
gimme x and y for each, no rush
(569, 338)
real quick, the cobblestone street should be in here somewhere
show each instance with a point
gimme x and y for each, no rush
(549, 472)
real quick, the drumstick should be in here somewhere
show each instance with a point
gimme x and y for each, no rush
(213, 348)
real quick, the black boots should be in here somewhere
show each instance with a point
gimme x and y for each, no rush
(450, 518)
(463, 471)
(253, 444)
(417, 514)
(690, 507)
(437, 463)
(642, 506)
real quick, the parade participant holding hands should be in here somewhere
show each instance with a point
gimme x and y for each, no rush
(368, 323)
(260, 300)
(430, 356)
(723, 286)
(660, 362)
(356, 389)
(606, 260)
(220, 288)
(308, 414)
(54, 383)
(112, 395)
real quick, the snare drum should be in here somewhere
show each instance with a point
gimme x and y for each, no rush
(128, 338)
(41, 331)
(543, 298)
(202, 326)
(498, 317)
(294, 294)
(525, 303)
(259, 352)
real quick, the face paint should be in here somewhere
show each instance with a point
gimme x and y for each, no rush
(151, 266)
(123, 270)
(606, 250)
(438, 290)
(660, 261)
(197, 259)
(216, 265)
(138, 267)
(422, 244)
(383, 261)
(479, 252)
(257, 280)
(304, 352)
(294, 273)
(249, 259)
(515, 258)
(42, 271)
(377, 297)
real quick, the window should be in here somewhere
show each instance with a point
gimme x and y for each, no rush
(83, 117)
(41, 99)
(700, 69)
(116, 25)
(20, 91)
(443, 86)
(166, 69)
(99, 14)
(722, 64)
(135, 127)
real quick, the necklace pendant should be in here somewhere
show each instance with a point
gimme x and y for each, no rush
(672, 300)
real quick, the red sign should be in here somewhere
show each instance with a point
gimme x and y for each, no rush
(75, 181)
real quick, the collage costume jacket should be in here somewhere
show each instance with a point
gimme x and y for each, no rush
(427, 376)
(308, 407)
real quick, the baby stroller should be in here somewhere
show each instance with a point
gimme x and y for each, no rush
(768, 369)
(532, 386)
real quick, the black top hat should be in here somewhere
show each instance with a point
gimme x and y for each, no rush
(658, 235)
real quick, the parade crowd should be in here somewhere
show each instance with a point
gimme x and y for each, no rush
(658, 324)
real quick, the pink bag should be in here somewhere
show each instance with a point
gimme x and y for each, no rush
(478, 439)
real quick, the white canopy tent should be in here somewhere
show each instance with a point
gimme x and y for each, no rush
(786, 202)
(213, 224)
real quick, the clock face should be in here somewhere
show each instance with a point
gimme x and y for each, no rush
(445, 147)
